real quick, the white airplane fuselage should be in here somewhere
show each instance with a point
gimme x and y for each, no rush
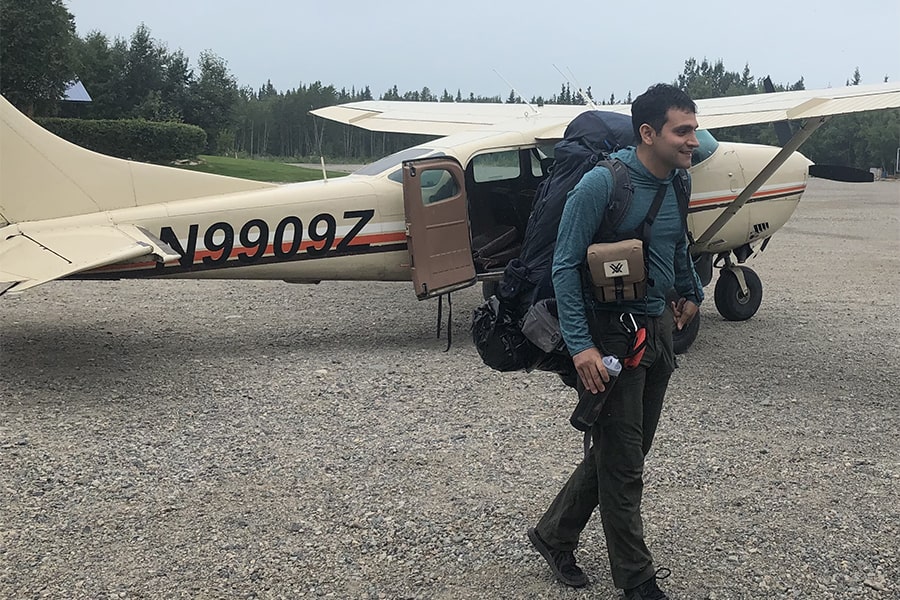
(354, 227)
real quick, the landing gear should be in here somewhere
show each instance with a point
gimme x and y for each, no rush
(682, 340)
(738, 292)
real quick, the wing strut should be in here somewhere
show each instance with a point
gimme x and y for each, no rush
(802, 134)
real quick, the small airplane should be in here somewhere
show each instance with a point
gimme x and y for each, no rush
(445, 214)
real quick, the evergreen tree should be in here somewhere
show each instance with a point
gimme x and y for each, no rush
(391, 94)
(37, 53)
(102, 70)
(214, 96)
(143, 72)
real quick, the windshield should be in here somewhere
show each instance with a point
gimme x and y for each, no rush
(708, 145)
(393, 160)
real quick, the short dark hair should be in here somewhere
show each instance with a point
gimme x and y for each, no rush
(651, 107)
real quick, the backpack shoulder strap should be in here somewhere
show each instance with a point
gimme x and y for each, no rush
(619, 199)
(647, 224)
(682, 185)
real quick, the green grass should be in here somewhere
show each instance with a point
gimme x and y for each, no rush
(258, 170)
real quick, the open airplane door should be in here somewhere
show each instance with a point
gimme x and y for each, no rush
(437, 226)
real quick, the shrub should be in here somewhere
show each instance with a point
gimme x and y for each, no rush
(133, 139)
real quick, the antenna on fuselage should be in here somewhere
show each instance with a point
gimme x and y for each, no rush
(319, 144)
(587, 99)
(516, 92)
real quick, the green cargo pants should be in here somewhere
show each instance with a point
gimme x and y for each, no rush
(612, 474)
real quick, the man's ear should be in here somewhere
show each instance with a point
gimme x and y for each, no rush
(647, 133)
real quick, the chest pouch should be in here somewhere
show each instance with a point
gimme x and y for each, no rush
(617, 270)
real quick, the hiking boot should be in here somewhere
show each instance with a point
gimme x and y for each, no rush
(649, 590)
(562, 562)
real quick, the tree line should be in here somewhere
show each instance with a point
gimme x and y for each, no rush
(141, 78)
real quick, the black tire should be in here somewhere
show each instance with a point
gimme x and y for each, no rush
(682, 340)
(730, 302)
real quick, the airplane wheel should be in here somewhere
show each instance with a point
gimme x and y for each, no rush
(731, 303)
(682, 340)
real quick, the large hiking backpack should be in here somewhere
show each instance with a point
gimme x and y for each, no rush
(496, 331)
(496, 324)
(588, 140)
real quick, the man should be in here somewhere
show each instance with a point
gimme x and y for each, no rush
(611, 475)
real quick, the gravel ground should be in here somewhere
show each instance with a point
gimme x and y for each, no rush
(264, 440)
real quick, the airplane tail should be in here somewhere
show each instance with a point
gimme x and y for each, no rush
(43, 176)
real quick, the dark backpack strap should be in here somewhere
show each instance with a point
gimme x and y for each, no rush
(619, 199)
(647, 224)
(644, 229)
(682, 183)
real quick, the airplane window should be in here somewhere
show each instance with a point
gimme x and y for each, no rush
(547, 149)
(536, 163)
(496, 166)
(431, 178)
(395, 160)
(707, 147)
(437, 185)
(541, 159)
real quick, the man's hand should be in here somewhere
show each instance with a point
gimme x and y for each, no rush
(685, 311)
(590, 367)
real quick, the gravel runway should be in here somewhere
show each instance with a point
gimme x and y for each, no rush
(264, 440)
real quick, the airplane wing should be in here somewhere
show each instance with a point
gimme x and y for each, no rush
(28, 259)
(800, 105)
(439, 118)
(550, 121)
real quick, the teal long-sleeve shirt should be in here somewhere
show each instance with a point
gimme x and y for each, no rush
(670, 263)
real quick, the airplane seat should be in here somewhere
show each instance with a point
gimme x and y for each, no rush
(499, 260)
(495, 247)
(509, 207)
(481, 215)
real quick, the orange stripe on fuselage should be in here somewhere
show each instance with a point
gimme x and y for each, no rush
(359, 240)
(392, 237)
(761, 194)
(199, 255)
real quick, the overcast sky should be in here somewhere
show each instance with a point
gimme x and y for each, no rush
(613, 47)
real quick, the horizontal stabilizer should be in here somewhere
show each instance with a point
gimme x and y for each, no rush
(28, 259)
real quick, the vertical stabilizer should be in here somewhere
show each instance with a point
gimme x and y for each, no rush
(43, 176)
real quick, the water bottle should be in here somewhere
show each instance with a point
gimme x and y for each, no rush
(589, 404)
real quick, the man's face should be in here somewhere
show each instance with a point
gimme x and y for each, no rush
(674, 144)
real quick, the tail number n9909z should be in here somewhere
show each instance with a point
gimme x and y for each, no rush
(252, 241)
